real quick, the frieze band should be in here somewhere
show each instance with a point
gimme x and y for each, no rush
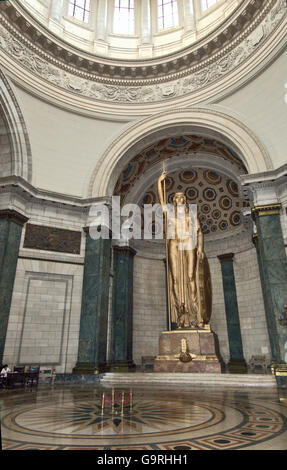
(152, 89)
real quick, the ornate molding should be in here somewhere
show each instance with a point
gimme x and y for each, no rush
(137, 83)
(269, 209)
(240, 23)
(136, 137)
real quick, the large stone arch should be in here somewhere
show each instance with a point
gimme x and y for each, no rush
(15, 150)
(202, 120)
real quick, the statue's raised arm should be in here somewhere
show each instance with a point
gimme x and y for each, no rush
(161, 192)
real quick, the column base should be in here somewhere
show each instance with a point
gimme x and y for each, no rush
(237, 366)
(121, 366)
(94, 368)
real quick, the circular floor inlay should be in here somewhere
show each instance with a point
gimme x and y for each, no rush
(71, 418)
(141, 417)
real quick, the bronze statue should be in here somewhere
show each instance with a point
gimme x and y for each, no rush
(189, 282)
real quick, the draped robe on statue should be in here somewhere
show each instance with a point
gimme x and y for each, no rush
(188, 274)
(189, 281)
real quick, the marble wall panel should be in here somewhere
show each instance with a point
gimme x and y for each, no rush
(44, 319)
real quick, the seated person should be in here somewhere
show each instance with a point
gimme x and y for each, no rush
(5, 370)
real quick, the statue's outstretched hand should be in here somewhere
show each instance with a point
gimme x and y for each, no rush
(163, 176)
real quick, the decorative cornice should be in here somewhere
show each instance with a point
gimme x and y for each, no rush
(238, 25)
(18, 185)
(138, 82)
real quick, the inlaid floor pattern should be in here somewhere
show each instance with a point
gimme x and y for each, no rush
(147, 418)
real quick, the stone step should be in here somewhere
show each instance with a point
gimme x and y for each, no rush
(151, 378)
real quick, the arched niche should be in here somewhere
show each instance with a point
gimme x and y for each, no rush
(15, 151)
(202, 121)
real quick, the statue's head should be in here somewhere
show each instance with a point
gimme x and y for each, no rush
(179, 199)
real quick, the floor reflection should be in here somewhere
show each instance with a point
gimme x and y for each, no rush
(97, 417)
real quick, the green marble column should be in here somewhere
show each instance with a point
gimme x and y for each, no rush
(237, 362)
(122, 310)
(95, 303)
(273, 271)
(11, 224)
(269, 320)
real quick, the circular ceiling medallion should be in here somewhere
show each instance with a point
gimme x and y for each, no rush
(205, 209)
(223, 225)
(232, 187)
(212, 177)
(191, 193)
(235, 218)
(149, 198)
(209, 194)
(225, 202)
(188, 176)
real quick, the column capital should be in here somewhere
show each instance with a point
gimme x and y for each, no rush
(14, 216)
(226, 257)
(268, 209)
(86, 229)
(124, 250)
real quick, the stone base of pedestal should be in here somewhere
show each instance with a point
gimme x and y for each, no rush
(202, 354)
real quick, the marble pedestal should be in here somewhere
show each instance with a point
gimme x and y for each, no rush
(201, 345)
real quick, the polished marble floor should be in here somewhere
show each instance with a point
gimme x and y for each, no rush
(147, 418)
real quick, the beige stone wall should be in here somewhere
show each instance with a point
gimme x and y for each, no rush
(250, 304)
(65, 146)
(45, 313)
(44, 319)
(262, 105)
(149, 312)
(218, 318)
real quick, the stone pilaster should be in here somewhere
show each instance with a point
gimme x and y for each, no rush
(11, 224)
(56, 10)
(95, 304)
(101, 20)
(273, 269)
(122, 309)
(237, 362)
(146, 22)
(189, 23)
